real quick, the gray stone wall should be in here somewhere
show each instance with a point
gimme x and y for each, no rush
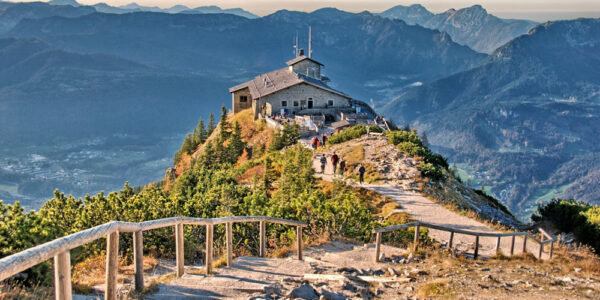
(309, 68)
(236, 104)
(301, 94)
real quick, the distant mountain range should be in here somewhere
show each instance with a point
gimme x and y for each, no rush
(39, 82)
(90, 76)
(522, 121)
(383, 56)
(471, 26)
(12, 13)
(528, 118)
(134, 7)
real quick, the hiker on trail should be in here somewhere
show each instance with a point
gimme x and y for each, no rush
(368, 130)
(315, 141)
(342, 167)
(324, 139)
(323, 164)
(361, 173)
(334, 161)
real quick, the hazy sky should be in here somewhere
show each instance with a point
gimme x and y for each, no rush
(534, 9)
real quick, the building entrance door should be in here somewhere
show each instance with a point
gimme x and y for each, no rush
(310, 104)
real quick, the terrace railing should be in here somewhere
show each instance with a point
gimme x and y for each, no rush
(546, 238)
(59, 249)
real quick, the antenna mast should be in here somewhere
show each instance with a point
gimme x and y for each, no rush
(309, 41)
(296, 46)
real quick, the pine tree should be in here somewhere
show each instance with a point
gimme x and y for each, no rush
(187, 146)
(209, 156)
(424, 139)
(236, 145)
(276, 141)
(211, 125)
(199, 133)
(223, 124)
(290, 135)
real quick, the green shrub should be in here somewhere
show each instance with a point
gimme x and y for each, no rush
(410, 143)
(413, 149)
(580, 218)
(399, 136)
(351, 133)
(431, 171)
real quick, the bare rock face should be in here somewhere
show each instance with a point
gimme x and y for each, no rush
(305, 291)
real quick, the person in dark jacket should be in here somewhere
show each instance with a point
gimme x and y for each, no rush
(334, 161)
(361, 173)
(342, 167)
(323, 163)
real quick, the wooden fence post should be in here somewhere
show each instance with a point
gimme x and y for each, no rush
(62, 276)
(541, 247)
(416, 243)
(512, 246)
(377, 246)
(209, 248)
(262, 238)
(179, 249)
(229, 233)
(524, 244)
(476, 247)
(551, 248)
(498, 245)
(112, 265)
(299, 241)
(138, 259)
(451, 240)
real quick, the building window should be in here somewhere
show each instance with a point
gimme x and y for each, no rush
(295, 102)
(330, 102)
(243, 98)
(283, 103)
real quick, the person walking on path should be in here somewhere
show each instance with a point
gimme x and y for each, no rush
(324, 139)
(361, 173)
(334, 161)
(323, 163)
(342, 167)
(315, 142)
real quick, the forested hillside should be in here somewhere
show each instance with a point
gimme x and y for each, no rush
(230, 176)
(146, 77)
(525, 122)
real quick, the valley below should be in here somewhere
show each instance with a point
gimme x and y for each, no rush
(29, 174)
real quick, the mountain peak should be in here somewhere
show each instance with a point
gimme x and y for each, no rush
(64, 2)
(475, 9)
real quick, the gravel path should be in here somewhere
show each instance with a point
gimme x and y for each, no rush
(423, 209)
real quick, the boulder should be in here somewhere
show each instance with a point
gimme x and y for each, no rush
(305, 291)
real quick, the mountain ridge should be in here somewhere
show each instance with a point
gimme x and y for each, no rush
(534, 101)
(471, 26)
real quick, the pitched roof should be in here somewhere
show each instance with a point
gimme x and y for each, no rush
(340, 124)
(301, 58)
(278, 80)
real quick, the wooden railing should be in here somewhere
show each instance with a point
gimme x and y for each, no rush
(59, 249)
(545, 237)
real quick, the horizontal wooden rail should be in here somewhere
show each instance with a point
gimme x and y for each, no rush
(477, 234)
(59, 248)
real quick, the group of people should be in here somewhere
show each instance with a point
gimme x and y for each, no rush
(335, 161)
(316, 142)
